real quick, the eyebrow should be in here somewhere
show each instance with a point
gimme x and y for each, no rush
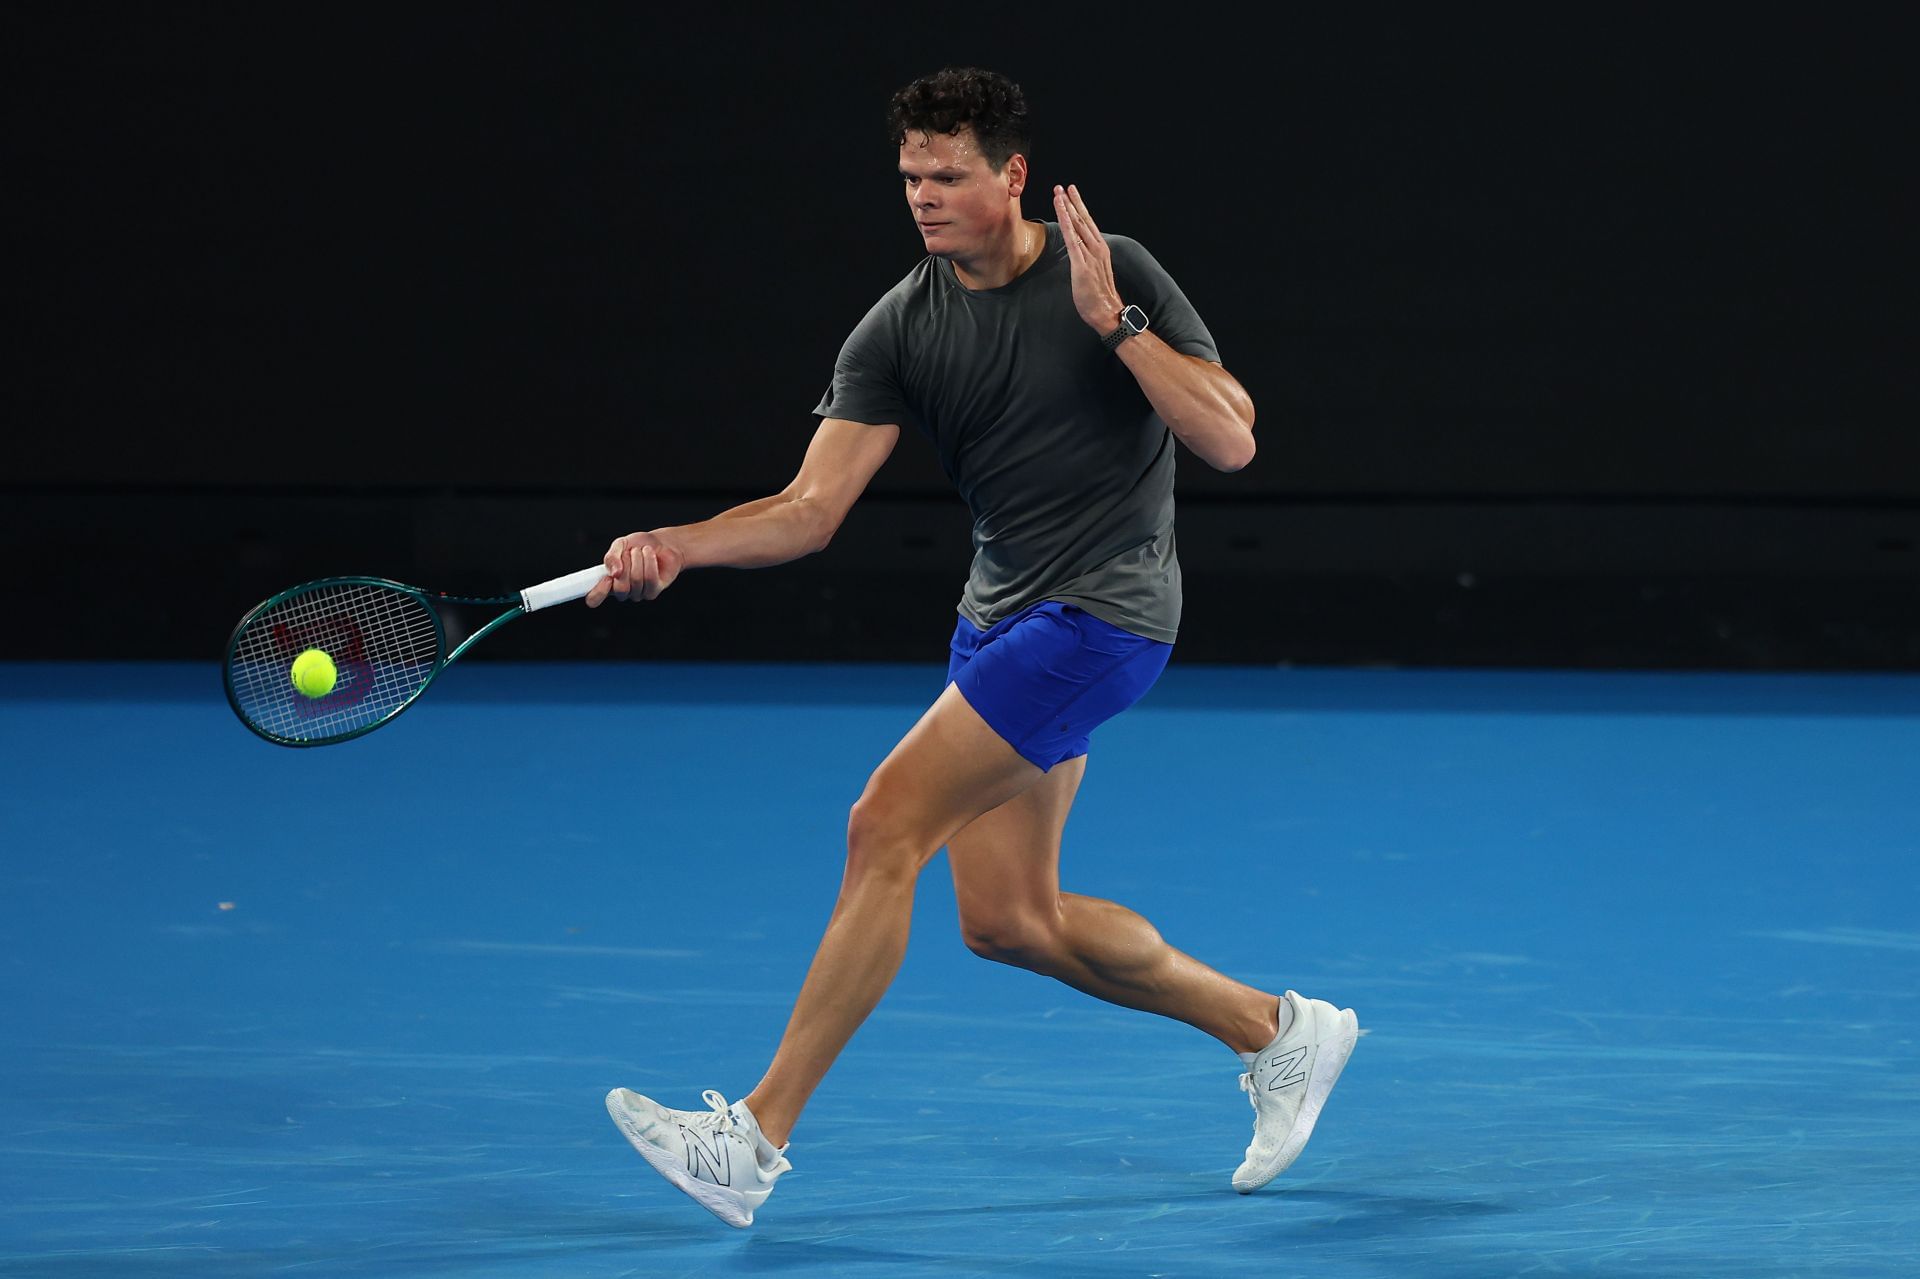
(945, 171)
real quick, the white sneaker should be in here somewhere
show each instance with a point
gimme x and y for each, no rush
(715, 1156)
(1289, 1082)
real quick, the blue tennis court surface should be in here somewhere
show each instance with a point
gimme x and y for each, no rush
(1639, 954)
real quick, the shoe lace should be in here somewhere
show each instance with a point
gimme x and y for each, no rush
(720, 1120)
(1252, 1099)
(1246, 1086)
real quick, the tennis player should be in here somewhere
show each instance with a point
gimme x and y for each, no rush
(1053, 367)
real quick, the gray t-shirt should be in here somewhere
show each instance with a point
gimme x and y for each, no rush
(1049, 439)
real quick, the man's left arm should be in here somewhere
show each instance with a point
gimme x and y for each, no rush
(1202, 404)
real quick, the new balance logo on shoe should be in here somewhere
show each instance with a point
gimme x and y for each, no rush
(1286, 1069)
(717, 1156)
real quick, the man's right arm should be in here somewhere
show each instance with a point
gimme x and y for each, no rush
(797, 521)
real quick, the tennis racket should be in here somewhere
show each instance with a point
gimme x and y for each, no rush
(387, 641)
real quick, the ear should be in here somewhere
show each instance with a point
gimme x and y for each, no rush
(1016, 171)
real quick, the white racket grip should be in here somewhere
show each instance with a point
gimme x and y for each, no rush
(561, 590)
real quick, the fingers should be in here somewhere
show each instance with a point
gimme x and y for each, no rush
(1095, 292)
(615, 583)
(1064, 212)
(604, 587)
(631, 580)
(646, 573)
(1080, 207)
(1072, 208)
(633, 571)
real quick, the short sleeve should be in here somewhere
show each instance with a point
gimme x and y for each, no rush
(1144, 282)
(866, 384)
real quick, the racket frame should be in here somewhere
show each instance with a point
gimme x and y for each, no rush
(442, 658)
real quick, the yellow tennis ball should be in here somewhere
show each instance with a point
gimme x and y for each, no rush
(314, 673)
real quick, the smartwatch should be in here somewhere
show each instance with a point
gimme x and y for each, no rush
(1133, 321)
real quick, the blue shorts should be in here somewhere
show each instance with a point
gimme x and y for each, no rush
(1046, 677)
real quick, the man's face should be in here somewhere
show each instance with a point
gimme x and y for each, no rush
(956, 198)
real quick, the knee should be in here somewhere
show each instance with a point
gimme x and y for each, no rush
(1016, 938)
(881, 842)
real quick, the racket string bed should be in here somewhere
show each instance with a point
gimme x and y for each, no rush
(385, 644)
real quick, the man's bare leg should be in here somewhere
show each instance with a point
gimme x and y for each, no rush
(947, 770)
(1006, 874)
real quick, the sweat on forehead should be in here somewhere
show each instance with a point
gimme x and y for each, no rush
(944, 153)
(960, 142)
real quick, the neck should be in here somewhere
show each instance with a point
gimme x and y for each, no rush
(1005, 261)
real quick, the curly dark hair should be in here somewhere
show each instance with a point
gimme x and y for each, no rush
(955, 97)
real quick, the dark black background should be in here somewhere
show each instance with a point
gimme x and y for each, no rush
(1581, 338)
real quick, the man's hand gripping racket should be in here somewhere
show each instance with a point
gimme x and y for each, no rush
(638, 567)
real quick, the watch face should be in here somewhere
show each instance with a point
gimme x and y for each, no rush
(1135, 319)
